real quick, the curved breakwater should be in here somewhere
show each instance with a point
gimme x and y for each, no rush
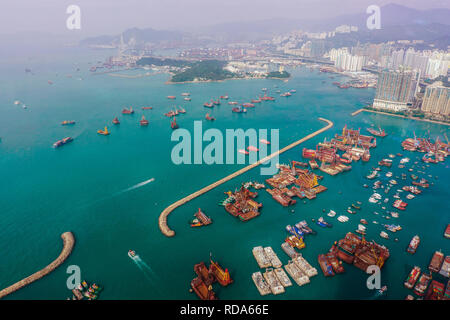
(68, 243)
(163, 226)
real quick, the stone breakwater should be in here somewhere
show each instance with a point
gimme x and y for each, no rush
(162, 221)
(68, 243)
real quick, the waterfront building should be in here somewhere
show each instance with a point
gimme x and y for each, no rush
(436, 99)
(345, 61)
(395, 89)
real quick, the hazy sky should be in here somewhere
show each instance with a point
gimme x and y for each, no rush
(113, 16)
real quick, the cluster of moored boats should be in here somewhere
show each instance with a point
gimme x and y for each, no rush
(420, 282)
(86, 291)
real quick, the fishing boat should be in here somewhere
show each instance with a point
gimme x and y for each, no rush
(331, 213)
(116, 121)
(256, 100)
(143, 121)
(248, 105)
(264, 141)
(342, 218)
(413, 245)
(233, 103)
(132, 254)
(216, 102)
(243, 151)
(185, 94)
(252, 148)
(103, 132)
(208, 117)
(412, 277)
(67, 122)
(128, 111)
(187, 99)
(173, 124)
(384, 235)
(321, 222)
(224, 97)
(208, 105)
(62, 142)
(171, 97)
(239, 110)
(147, 108)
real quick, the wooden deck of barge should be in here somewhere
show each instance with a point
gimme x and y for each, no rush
(162, 221)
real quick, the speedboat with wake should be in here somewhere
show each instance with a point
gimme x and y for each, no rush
(132, 254)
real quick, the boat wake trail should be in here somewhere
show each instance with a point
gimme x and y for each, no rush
(149, 274)
(141, 184)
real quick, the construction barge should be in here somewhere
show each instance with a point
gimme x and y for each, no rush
(352, 143)
(242, 205)
(435, 151)
(359, 252)
(304, 184)
(202, 284)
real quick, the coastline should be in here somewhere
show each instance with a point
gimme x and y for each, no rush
(223, 80)
(399, 116)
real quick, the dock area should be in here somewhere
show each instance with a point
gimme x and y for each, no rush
(68, 243)
(162, 221)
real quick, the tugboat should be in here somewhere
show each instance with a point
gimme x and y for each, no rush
(103, 132)
(132, 254)
(380, 133)
(412, 247)
(116, 121)
(173, 124)
(143, 122)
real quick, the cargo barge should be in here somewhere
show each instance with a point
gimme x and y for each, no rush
(272, 256)
(445, 269)
(412, 247)
(273, 282)
(422, 284)
(301, 262)
(62, 142)
(436, 261)
(296, 273)
(261, 258)
(261, 285)
(282, 277)
(327, 269)
(412, 278)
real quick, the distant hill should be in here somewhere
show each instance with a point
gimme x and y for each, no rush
(139, 35)
(397, 22)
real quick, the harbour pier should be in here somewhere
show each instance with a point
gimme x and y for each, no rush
(162, 221)
(68, 243)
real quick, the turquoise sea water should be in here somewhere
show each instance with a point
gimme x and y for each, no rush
(84, 186)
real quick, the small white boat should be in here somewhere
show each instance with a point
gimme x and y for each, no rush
(342, 218)
(331, 213)
(384, 235)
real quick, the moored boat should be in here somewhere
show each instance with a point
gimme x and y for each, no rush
(62, 142)
(412, 247)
